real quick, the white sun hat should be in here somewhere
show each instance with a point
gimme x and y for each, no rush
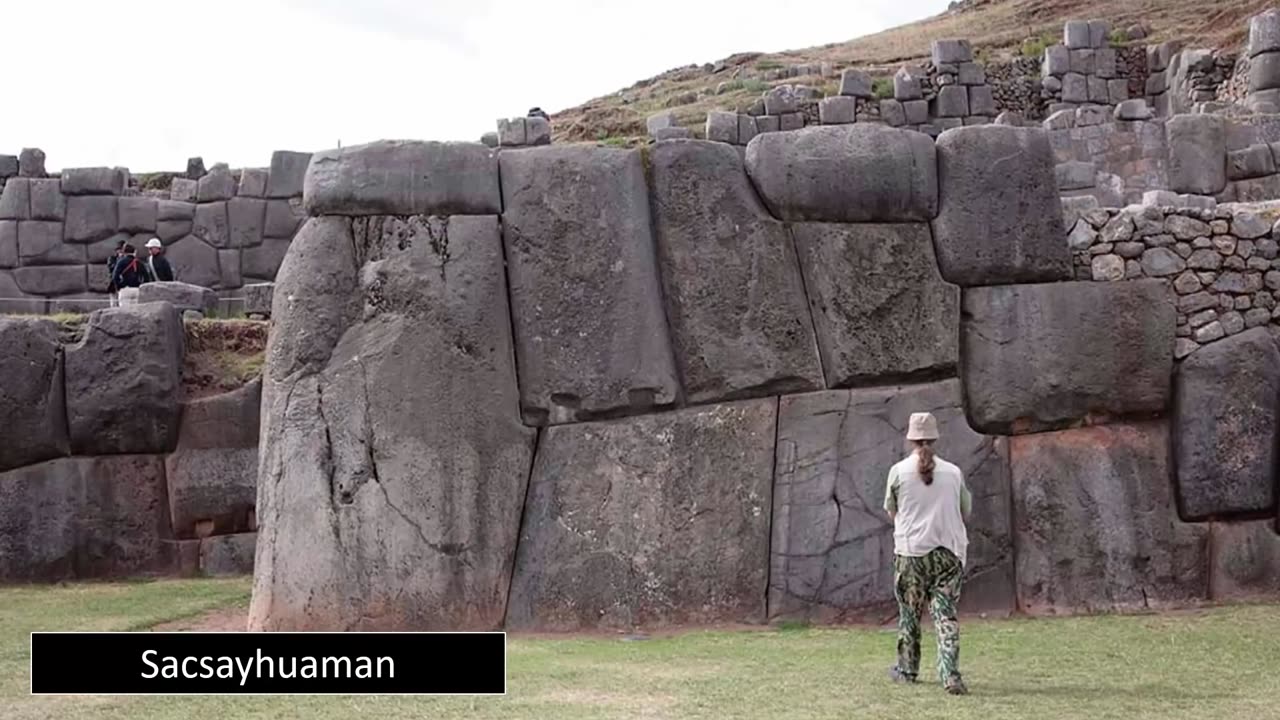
(154, 242)
(922, 426)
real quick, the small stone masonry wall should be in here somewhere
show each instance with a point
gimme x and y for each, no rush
(1083, 70)
(680, 410)
(219, 231)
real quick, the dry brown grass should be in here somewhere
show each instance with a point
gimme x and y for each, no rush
(996, 27)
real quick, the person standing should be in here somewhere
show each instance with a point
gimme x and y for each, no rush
(130, 273)
(928, 502)
(157, 264)
(112, 290)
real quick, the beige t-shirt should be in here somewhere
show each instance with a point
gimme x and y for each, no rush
(928, 516)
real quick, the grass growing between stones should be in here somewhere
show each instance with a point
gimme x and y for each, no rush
(1213, 663)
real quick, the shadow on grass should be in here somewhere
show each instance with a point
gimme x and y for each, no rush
(1093, 693)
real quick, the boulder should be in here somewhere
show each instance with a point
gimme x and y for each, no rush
(837, 110)
(123, 380)
(258, 298)
(287, 176)
(263, 262)
(880, 308)
(8, 166)
(376, 510)
(83, 518)
(212, 225)
(512, 132)
(93, 181)
(906, 85)
(47, 200)
(246, 220)
(1197, 154)
(194, 262)
(33, 412)
(951, 52)
(1039, 357)
(182, 296)
(90, 218)
(850, 173)
(719, 253)
(137, 214)
(396, 177)
(1056, 62)
(1225, 427)
(832, 549)
(225, 555)
(213, 472)
(999, 216)
(722, 127)
(1095, 524)
(652, 521)
(586, 301)
(855, 83)
(31, 163)
(1245, 560)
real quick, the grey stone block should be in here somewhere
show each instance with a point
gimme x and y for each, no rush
(767, 123)
(972, 73)
(832, 549)
(779, 101)
(1082, 62)
(1040, 357)
(246, 219)
(1264, 33)
(183, 190)
(8, 243)
(1099, 33)
(15, 200)
(1099, 90)
(92, 181)
(195, 168)
(1225, 420)
(258, 298)
(680, 133)
(392, 177)
(1076, 175)
(194, 261)
(722, 127)
(1118, 92)
(8, 166)
(1264, 72)
(951, 51)
(660, 121)
(897, 321)
(892, 114)
(654, 521)
(1091, 116)
(917, 111)
(282, 218)
(40, 243)
(999, 216)
(213, 472)
(489, 139)
(90, 218)
(253, 183)
(287, 176)
(1075, 34)
(981, 101)
(855, 83)
(182, 296)
(229, 269)
(537, 131)
(838, 110)
(746, 129)
(1057, 61)
(167, 230)
(47, 200)
(906, 85)
(34, 412)
(175, 210)
(610, 354)
(137, 214)
(1095, 524)
(1251, 162)
(864, 176)
(1060, 120)
(53, 280)
(211, 224)
(228, 555)
(1075, 88)
(1104, 63)
(952, 101)
(718, 249)
(512, 132)
(1245, 560)
(1197, 154)
(263, 261)
(791, 121)
(219, 185)
(31, 163)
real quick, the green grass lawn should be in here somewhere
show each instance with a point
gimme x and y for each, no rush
(1219, 663)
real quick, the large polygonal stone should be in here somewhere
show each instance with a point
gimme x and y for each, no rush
(137, 214)
(225, 555)
(229, 267)
(394, 177)
(282, 219)
(1245, 560)
(832, 552)
(720, 254)
(881, 310)
(1264, 33)
(52, 280)
(1226, 426)
(84, 517)
(288, 173)
(90, 218)
(93, 181)
(15, 200)
(650, 521)
(253, 182)
(262, 262)
(1264, 72)
(246, 218)
(999, 217)
(47, 200)
(586, 299)
(123, 381)
(32, 412)
(1095, 524)
(8, 243)
(40, 243)
(1197, 154)
(847, 173)
(175, 210)
(1039, 357)
(213, 473)
(194, 262)
(182, 296)
(218, 186)
(212, 224)
(376, 509)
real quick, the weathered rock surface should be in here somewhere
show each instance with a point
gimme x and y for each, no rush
(90, 218)
(224, 555)
(740, 324)
(394, 177)
(246, 220)
(32, 410)
(77, 518)
(649, 521)
(881, 310)
(213, 473)
(123, 380)
(92, 181)
(263, 262)
(1245, 560)
(288, 173)
(832, 541)
(194, 261)
(212, 225)
(1095, 523)
(1039, 357)
(1197, 154)
(386, 505)
(847, 173)
(181, 295)
(999, 217)
(586, 299)
(1226, 426)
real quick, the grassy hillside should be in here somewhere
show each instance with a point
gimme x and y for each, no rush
(996, 28)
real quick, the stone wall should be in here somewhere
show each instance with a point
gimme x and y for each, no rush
(220, 231)
(109, 471)
(679, 410)
(1084, 69)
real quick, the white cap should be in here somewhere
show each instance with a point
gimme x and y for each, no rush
(922, 426)
(154, 242)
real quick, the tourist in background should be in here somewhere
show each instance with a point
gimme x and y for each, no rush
(130, 273)
(928, 502)
(157, 264)
(112, 290)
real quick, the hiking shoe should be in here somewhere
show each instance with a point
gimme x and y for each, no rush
(956, 687)
(898, 676)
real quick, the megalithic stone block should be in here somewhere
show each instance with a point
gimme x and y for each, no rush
(1039, 357)
(1227, 424)
(213, 474)
(650, 521)
(400, 177)
(34, 410)
(999, 217)
(721, 254)
(1197, 154)
(586, 300)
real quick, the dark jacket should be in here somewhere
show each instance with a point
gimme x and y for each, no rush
(130, 272)
(111, 273)
(163, 270)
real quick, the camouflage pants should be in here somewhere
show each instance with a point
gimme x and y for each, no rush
(934, 579)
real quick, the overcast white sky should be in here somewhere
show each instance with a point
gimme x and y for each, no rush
(147, 83)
